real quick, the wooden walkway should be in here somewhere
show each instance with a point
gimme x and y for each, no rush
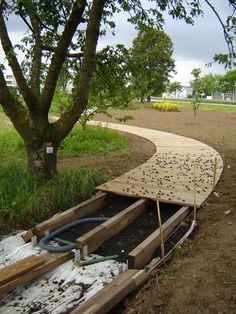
(169, 173)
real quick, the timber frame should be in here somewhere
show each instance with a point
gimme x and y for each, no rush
(32, 267)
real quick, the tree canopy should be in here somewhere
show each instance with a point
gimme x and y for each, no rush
(152, 62)
(60, 31)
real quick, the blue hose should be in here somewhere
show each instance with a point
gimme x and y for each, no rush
(43, 243)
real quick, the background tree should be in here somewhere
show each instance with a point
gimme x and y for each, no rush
(57, 31)
(152, 62)
(227, 82)
(174, 87)
(210, 83)
(110, 86)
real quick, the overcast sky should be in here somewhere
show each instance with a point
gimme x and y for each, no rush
(194, 46)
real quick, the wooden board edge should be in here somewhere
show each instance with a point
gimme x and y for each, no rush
(94, 238)
(143, 253)
(103, 301)
(51, 261)
(67, 216)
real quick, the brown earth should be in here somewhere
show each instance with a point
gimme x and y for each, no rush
(201, 278)
(113, 163)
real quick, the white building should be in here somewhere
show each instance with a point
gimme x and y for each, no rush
(10, 80)
(185, 92)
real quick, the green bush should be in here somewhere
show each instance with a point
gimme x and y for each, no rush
(166, 106)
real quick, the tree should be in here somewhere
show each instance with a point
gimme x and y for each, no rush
(58, 31)
(174, 87)
(197, 90)
(151, 62)
(227, 82)
(110, 86)
(210, 83)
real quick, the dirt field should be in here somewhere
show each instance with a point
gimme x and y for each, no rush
(201, 278)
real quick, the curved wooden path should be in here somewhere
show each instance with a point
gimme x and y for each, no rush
(169, 173)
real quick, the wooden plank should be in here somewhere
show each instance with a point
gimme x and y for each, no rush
(94, 238)
(177, 197)
(50, 261)
(173, 159)
(28, 235)
(142, 254)
(18, 269)
(112, 293)
(76, 212)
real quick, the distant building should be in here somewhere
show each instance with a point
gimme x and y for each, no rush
(10, 80)
(186, 92)
(230, 96)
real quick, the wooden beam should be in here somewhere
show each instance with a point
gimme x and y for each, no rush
(94, 238)
(112, 293)
(18, 269)
(142, 254)
(28, 235)
(76, 212)
(46, 262)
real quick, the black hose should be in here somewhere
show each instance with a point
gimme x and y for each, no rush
(43, 243)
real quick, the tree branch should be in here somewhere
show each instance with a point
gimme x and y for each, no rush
(226, 35)
(13, 62)
(68, 54)
(60, 53)
(64, 125)
(13, 108)
(37, 54)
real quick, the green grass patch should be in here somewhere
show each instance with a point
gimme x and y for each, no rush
(11, 145)
(207, 101)
(91, 140)
(24, 197)
(166, 106)
(88, 141)
(230, 109)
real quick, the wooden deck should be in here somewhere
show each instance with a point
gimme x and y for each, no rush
(169, 173)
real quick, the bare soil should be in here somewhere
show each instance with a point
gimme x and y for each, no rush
(201, 278)
(112, 163)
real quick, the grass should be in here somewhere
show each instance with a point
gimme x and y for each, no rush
(188, 106)
(88, 141)
(25, 198)
(91, 140)
(210, 101)
(11, 145)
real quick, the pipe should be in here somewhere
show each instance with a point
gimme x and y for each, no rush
(155, 262)
(45, 246)
(98, 260)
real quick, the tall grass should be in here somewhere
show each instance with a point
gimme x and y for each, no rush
(24, 197)
(88, 141)
(11, 145)
(91, 140)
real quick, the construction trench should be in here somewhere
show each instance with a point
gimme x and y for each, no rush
(88, 258)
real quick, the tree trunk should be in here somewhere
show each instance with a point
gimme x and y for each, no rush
(148, 98)
(43, 161)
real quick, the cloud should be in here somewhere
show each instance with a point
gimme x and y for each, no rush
(194, 46)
